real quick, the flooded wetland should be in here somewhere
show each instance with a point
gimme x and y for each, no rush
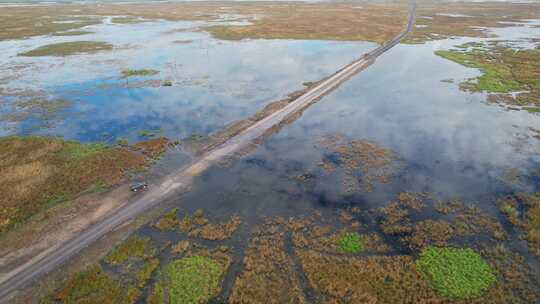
(414, 181)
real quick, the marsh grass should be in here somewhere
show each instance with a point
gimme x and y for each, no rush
(193, 279)
(128, 20)
(527, 218)
(42, 109)
(531, 109)
(68, 48)
(504, 71)
(93, 285)
(39, 172)
(436, 24)
(456, 273)
(22, 22)
(133, 248)
(143, 72)
(72, 33)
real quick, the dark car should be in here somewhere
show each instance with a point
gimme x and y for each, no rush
(142, 186)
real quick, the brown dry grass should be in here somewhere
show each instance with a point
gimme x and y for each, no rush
(270, 20)
(37, 172)
(268, 275)
(215, 232)
(376, 279)
(523, 211)
(436, 26)
(153, 148)
(324, 21)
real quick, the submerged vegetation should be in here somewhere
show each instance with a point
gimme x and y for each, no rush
(527, 218)
(512, 76)
(46, 111)
(69, 48)
(456, 273)
(364, 162)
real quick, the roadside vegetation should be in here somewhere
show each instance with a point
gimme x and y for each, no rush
(512, 77)
(133, 248)
(93, 285)
(135, 261)
(69, 48)
(39, 172)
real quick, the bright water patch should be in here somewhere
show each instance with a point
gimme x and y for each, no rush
(213, 82)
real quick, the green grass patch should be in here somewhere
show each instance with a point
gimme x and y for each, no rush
(504, 70)
(143, 72)
(74, 150)
(146, 133)
(193, 279)
(73, 33)
(69, 48)
(455, 273)
(351, 242)
(134, 248)
(531, 109)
